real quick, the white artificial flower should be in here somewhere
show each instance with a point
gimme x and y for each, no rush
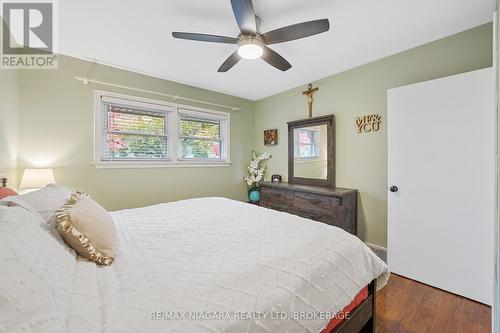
(256, 173)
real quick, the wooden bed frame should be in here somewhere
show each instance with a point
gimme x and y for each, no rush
(362, 318)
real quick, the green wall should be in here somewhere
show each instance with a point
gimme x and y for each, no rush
(56, 117)
(362, 158)
(9, 124)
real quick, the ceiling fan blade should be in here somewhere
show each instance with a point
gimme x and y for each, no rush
(230, 62)
(296, 31)
(204, 37)
(275, 60)
(245, 16)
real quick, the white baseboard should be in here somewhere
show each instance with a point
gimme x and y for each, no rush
(380, 251)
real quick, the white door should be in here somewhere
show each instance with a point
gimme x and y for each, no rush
(441, 154)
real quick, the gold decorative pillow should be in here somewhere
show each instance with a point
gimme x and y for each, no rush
(88, 228)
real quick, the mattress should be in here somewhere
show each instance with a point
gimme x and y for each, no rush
(218, 265)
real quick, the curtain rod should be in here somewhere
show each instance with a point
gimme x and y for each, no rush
(86, 81)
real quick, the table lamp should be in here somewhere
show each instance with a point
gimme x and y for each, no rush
(36, 178)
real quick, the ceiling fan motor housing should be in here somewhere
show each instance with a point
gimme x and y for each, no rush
(245, 40)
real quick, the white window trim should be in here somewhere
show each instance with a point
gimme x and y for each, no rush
(173, 110)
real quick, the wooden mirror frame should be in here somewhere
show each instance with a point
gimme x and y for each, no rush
(329, 120)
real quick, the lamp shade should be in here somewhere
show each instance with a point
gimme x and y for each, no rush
(36, 178)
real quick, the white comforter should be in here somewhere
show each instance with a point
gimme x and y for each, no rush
(219, 260)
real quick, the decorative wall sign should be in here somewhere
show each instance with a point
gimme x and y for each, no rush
(368, 123)
(271, 137)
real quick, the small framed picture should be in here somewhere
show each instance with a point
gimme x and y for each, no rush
(271, 137)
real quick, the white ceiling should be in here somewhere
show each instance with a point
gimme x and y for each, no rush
(137, 35)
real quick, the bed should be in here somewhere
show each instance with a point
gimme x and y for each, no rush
(198, 265)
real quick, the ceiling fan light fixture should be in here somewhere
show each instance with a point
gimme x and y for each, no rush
(250, 51)
(250, 47)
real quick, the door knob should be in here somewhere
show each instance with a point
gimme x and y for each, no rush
(393, 188)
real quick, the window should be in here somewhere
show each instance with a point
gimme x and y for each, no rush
(143, 132)
(134, 134)
(200, 136)
(306, 143)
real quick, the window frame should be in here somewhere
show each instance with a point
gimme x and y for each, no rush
(172, 115)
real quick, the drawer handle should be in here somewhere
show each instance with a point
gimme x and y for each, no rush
(315, 202)
(275, 194)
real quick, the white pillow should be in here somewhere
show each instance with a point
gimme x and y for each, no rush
(36, 274)
(47, 200)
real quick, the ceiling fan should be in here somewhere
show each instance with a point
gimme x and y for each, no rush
(251, 43)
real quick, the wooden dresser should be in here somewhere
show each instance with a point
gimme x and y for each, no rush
(334, 206)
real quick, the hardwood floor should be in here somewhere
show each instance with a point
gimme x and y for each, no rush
(405, 306)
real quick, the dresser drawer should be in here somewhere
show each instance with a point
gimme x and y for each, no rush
(316, 207)
(275, 199)
(316, 204)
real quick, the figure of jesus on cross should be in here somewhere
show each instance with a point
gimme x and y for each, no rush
(309, 93)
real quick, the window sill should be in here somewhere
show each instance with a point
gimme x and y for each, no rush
(152, 164)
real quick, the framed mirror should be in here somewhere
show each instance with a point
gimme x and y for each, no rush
(311, 151)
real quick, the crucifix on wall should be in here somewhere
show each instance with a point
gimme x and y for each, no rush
(310, 93)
